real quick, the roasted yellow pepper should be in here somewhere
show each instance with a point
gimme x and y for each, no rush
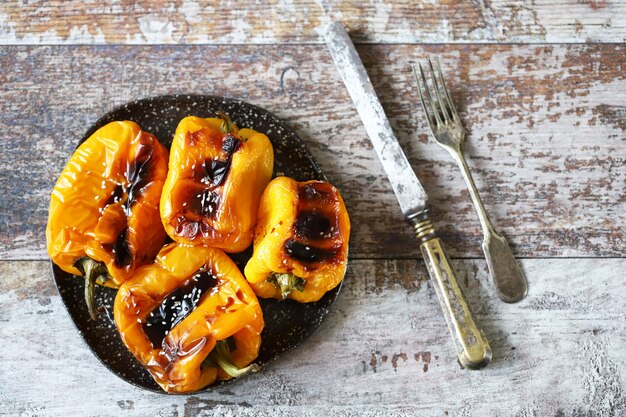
(104, 211)
(217, 173)
(301, 241)
(190, 318)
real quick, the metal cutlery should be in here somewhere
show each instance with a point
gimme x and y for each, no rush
(472, 347)
(446, 127)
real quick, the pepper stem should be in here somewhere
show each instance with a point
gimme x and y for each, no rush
(227, 124)
(221, 356)
(286, 283)
(92, 271)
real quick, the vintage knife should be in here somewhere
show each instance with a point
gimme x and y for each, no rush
(472, 348)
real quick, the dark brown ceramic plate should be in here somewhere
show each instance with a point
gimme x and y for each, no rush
(287, 323)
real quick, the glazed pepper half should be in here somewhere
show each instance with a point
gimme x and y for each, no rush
(301, 241)
(104, 211)
(190, 318)
(217, 173)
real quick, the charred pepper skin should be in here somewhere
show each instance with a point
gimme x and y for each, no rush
(104, 216)
(301, 241)
(217, 173)
(179, 316)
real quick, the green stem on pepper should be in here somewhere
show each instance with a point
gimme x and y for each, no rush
(286, 283)
(220, 355)
(92, 271)
(227, 125)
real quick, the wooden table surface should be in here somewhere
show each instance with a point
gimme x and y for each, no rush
(541, 87)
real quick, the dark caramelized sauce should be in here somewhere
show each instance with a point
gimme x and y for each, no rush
(204, 202)
(307, 253)
(139, 173)
(198, 200)
(138, 177)
(316, 229)
(212, 172)
(121, 250)
(177, 305)
(230, 144)
(116, 196)
(312, 225)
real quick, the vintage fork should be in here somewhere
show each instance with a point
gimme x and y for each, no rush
(449, 133)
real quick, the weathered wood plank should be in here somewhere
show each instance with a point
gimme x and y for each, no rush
(383, 349)
(301, 21)
(546, 141)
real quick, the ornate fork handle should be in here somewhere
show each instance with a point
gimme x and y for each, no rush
(503, 267)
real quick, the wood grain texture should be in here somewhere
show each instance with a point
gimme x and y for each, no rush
(282, 21)
(546, 133)
(546, 142)
(383, 349)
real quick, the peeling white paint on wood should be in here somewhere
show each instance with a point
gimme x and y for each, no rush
(383, 349)
(302, 21)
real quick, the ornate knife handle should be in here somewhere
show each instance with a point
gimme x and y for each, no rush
(471, 346)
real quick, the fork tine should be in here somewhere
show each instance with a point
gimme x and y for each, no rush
(440, 97)
(430, 98)
(455, 115)
(419, 90)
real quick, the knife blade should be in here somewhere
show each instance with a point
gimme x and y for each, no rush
(472, 348)
(404, 182)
